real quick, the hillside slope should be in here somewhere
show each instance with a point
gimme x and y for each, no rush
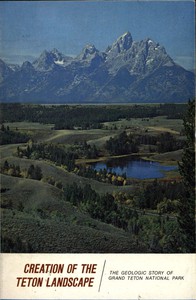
(36, 216)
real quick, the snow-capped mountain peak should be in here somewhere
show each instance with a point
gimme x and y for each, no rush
(132, 71)
(49, 59)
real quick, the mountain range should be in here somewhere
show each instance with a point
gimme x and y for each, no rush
(127, 71)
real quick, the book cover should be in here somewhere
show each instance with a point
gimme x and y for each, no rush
(97, 149)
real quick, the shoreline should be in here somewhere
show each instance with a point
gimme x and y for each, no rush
(143, 156)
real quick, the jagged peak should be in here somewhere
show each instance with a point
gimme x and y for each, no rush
(54, 50)
(27, 64)
(150, 41)
(90, 48)
(48, 55)
(56, 53)
(3, 64)
(125, 35)
(44, 53)
(44, 56)
(123, 43)
(88, 51)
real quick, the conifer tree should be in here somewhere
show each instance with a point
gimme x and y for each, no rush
(186, 217)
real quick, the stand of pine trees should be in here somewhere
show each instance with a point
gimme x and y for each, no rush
(186, 217)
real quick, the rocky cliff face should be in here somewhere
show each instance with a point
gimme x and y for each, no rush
(128, 71)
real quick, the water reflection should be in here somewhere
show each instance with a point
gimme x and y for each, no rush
(134, 167)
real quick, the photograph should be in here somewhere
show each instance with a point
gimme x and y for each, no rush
(97, 136)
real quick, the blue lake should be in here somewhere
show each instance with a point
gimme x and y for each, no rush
(134, 167)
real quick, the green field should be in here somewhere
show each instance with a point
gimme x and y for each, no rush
(161, 123)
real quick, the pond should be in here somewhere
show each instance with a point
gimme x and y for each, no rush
(134, 167)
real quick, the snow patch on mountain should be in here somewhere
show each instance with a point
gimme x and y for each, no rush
(59, 62)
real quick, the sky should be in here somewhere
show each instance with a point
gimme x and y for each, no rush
(29, 27)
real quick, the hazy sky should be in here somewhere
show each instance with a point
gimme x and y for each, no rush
(29, 27)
